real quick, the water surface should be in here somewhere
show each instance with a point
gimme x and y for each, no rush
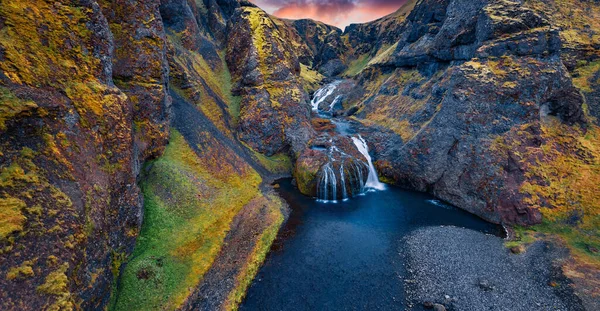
(347, 255)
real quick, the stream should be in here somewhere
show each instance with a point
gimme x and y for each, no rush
(347, 254)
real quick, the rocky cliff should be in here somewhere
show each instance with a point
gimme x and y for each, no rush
(90, 90)
(459, 77)
(84, 101)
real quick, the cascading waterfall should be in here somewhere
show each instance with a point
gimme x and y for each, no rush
(322, 94)
(328, 185)
(372, 179)
(334, 102)
(341, 177)
(343, 182)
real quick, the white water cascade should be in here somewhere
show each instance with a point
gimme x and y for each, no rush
(334, 102)
(322, 94)
(372, 179)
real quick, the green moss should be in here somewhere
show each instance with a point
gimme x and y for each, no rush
(357, 65)
(276, 164)
(190, 202)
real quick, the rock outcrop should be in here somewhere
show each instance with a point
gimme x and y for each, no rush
(86, 92)
(461, 76)
(274, 114)
(73, 84)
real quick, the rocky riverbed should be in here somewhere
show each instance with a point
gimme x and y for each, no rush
(467, 270)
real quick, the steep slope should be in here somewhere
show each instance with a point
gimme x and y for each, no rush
(86, 96)
(210, 215)
(70, 207)
(266, 73)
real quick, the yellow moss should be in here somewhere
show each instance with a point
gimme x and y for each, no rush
(52, 260)
(56, 284)
(259, 253)
(46, 42)
(383, 55)
(11, 216)
(585, 73)
(14, 174)
(579, 21)
(11, 106)
(264, 35)
(310, 77)
(23, 271)
(569, 170)
(210, 86)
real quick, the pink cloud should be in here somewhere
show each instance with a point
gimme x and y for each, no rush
(339, 13)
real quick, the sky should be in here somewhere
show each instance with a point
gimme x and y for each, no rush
(339, 13)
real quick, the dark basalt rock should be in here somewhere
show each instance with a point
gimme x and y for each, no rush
(80, 85)
(464, 72)
(274, 110)
(334, 152)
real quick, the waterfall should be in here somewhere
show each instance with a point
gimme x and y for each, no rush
(372, 180)
(343, 182)
(322, 94)
(327, 190)
(335, 101)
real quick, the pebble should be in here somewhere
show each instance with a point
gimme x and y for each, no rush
(438, 307)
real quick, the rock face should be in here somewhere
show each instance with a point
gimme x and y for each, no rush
(86, 92)
(323, 41)
(331, 169)
(275, 110)
(72, 85)
(462, 75)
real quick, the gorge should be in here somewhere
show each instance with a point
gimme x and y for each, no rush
(205, 155)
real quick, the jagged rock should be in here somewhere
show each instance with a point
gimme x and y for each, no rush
(449, 57)
(274, 110)
(78, 76)
(339, 159)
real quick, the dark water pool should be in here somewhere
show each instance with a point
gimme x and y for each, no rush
(347, 256)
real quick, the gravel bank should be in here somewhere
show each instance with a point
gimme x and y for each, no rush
(466, 270)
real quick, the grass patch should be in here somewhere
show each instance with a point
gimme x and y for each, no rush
(357, 65)
(188, 210)
(585, 74)
(311, 78)
(261, 249)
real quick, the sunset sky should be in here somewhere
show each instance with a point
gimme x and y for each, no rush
(339, 13)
